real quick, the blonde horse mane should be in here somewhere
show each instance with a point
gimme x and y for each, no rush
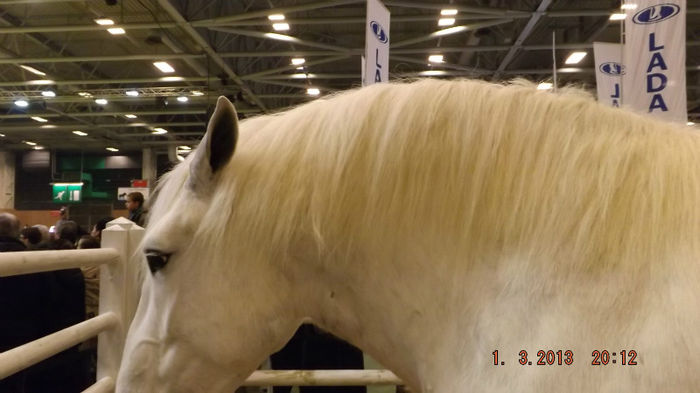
(466, 164)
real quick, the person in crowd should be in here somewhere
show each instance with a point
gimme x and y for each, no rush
(45, 238)
(31, 237)
(134, 203)
(9, 233)
(66, 236)
(97, 229)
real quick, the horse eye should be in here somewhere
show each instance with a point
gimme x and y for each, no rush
(156, 260)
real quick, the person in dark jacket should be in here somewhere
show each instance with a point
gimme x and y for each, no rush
(134, 203)
(33, 306)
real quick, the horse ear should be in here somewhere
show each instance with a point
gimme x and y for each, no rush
(217, 146)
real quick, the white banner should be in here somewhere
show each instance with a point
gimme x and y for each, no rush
(608, 72)
(654, 59)
(376, 64)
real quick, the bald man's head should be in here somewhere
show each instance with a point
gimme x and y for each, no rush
(9, 225)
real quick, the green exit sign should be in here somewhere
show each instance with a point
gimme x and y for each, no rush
(67, 192)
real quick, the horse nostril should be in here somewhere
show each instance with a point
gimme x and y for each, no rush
(156, 261)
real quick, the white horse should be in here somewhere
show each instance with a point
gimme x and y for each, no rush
(443, 228)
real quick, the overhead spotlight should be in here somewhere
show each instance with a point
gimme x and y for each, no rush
(33, 70)
(280, 37)
(101, 101)
(433, 73)
(48, 93)
(197, 93)
(116, 31)
(84, 94)
(618, 16)
(130, 116)
(275, 17)
(159, 131)
(628, 6)
(112, 149)
(104, 21)
(690, 123)
(450, 30)
(184, 147)
(436, 58)
(280, 26)
(38, 147)
(312, 91)
(298, 61)
(182, 99)
(39, 119)
(2, 135)
(446, 21)
(575, 57)
(132, 93)
(544, 86)
(448, 12)
(21, 103)
(164, 67)
(30, 143)
(80, 133)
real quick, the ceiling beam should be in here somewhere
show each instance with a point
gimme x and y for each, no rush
(440, 33)
(182, 23)
(465, 9)
(536, 16)
(277, 10)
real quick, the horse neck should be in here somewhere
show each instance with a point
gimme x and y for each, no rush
(408, 316)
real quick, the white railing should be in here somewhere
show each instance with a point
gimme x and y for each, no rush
(120, 267)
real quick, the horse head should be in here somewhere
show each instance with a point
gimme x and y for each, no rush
(198, 280)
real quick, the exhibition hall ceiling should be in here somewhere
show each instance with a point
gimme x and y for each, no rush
(88, 71)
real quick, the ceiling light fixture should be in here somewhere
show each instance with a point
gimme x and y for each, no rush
(690, 123)
(84, 94)
(298, 61)
(436, 58)
(450, 30)
(33, 70)
(104, 21)
(116, 31)
(448, 12)
(446, 21)
(41, 82)
(30, 143)
(159, 131)
(544, 86)
(47, 126)
(197, 93)
(112, 149)
(21, 103)
(280, 37)
(48, 93)
(101, 101)
(575, 57)
(38, 148)
(628, 6)
(39, 119)
(280, 26)
(184, 148)
(132, 93)
(275, 17)
(80, 133)
(432, 73)
(130, 116)
(171, 79)
(182, 99)
(164, 67)
(2, 135)
(313, 91)
(618, 16)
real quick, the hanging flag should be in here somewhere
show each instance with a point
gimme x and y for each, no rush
(654, 57)
(376, 60)
(608, 72)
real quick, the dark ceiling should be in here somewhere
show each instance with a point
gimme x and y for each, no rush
(220, 47)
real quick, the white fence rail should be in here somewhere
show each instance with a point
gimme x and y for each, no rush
(119, 291)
